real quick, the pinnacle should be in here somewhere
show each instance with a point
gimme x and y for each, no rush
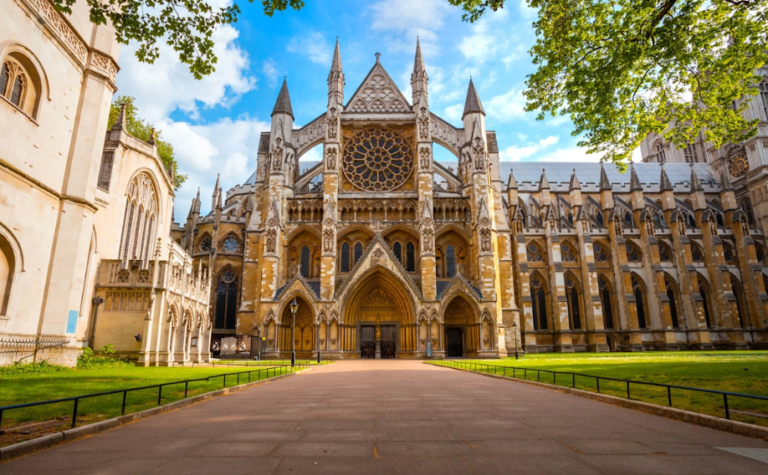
(634, 181)
(575, 185)
(472, 104)
(336, 64)
(512, 183)
(695, 182)
(725, 180)
(283, 103)
(605, 183)
(543, 183)
(120, 121)
(664, 183)
(418, 62)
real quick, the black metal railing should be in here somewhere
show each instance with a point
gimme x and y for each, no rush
(276, 370)
(505, 371)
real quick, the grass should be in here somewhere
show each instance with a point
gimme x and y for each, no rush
(739, 372)
(244, 362)
(68, 382)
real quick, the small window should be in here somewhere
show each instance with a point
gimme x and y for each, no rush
(410, 251)
(450, 261)
(763, 87)
(305, 262)
(358, 252)
(18, 89)
(230, 244)
(345, 257)
(398, 251)
(20, 83)
(660, 155)
(5, 75)
(691, 155)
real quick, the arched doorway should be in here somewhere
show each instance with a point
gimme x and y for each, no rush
(379, 319)
(461, 328)
(304, 335)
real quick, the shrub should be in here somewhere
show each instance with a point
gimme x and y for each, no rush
(104, 357)
(26, 368)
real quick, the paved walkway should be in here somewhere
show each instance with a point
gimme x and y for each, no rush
(372, 417)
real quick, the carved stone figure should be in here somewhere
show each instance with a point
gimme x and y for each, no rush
(333, 123)
(328, 239)
(330, 157)
(485, 240)
(271, 240)
(428, 235)
(478, 149)
(424, 158)
(423, 124)
(277, 155)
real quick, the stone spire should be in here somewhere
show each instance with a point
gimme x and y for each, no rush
(664, 183)
(695, 182)
(605, 183)
(543, 182)
(511, 183)
(574, 185)
(216, 197)
(472, 104)
(419, 77)
(193, 206)
(336, 80)
(120, 122)
(634, 182)
(283, 103)
(197, 201)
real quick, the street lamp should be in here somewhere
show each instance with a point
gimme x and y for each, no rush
(294, 307)
(514, 329)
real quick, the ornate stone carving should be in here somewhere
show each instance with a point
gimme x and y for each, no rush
(478, 150)
(378, 94)
(423, 124)
(60, 27)
(330, 158)
(485, 240)
(333, 123)
(105, 64)
(424, 157)
(277, 155)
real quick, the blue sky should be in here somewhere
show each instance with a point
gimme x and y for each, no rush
(214, 124)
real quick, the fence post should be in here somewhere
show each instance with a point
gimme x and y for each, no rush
(125, 395)
(538, 375)
(628, 390)
(669, 395)
(159, 394)
(574, 380)
(598, 384)
(1, 417)
(74, 414)
(725, 403)
(238, 378)
(186, 388)
(225, 381)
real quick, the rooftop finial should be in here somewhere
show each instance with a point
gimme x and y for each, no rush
(378, 57)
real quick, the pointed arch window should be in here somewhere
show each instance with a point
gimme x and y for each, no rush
(637, 291)
(605, 297)
(345, 257)
(704, 293)
(690, 153)
(568, 253)
(398, 251)
(763, 88)
(672, 302)
(633, 253)
(226, 301)
(5, 75)
(661, 157)
(410, 257)
(358, 252)
(696, 253)
(20, 83)
(7, 265)
(601, 254)
(572, 296)
(18, 90)
(450, 261)
(140, 218)
(305, 262)
(539, 304)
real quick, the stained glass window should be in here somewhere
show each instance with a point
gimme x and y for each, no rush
(450, 261)
(305, 262)
(410, 251)
(377, 160)
(230, 244)
(205, 243)
(345, 257)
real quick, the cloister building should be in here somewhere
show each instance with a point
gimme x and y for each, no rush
(390, 253)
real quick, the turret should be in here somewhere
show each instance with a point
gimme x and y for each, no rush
(215, 197)
(281, 130)
(575, 190)
(667, 191)
(419, 79)
(606, 189)
(512, 190)
(336, 80)
(473, 108)
(697, 192)
(544, 197)
(727, 195)
(636, 189)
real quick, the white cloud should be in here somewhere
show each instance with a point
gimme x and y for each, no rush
(408, 19)
(573, 154)
(453, 112)
(507, 106)
(313, 45)
(516, 153)
(167, 85)
(527, 12)
(269, 69)
(485, 42)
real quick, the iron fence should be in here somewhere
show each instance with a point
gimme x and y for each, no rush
(505, 370)
(26, 347)
(276, 371)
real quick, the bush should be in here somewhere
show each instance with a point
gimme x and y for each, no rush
(103, 358)
(26, 368)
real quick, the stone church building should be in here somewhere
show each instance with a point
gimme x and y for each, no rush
(391, 254)
(86, 257)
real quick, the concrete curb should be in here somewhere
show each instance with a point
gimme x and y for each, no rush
(29, 446)
(734, 427)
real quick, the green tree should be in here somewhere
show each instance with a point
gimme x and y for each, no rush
(142, 130)
(625, 68)
(185, 25)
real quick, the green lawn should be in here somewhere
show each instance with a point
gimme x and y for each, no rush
(739, 372)
(66, 382)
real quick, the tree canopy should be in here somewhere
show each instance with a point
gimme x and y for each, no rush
(185, 25)
(142, 130)
(625, 68)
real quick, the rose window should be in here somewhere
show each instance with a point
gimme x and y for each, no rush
(230, 244)
(377, 160)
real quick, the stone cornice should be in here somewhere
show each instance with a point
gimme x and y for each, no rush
(60, 29)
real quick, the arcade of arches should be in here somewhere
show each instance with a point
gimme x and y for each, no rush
(391, 254)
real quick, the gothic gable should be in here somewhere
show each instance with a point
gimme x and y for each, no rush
(378, 94)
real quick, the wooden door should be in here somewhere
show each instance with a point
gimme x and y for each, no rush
(388, 336)
(368, 341)
(454, 343)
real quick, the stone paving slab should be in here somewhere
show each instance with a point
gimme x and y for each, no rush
(390, 417)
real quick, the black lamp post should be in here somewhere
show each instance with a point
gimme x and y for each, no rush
(514, 329)
(294, 307)
(317, 340)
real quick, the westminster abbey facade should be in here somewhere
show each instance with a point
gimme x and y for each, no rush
(389, 253)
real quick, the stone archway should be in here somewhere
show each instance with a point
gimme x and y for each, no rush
(379, 319)
(461, 328)
(304, 336)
